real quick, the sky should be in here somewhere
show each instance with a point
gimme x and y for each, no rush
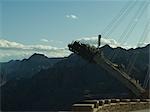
(48, 26)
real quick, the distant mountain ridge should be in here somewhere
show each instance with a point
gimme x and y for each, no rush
(72, 79)
(26, 68)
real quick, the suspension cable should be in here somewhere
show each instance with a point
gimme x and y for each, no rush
(116, 17)
(131, 64)
(141, 40)
(145, 32)
(135, 23)
(131, 26)
(147, 78)
(116, 24)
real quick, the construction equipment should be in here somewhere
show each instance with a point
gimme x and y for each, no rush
(95, 55)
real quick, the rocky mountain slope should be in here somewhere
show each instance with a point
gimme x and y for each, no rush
(26, 68)
(73, 79)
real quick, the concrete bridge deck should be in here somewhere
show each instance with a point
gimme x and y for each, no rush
(111, 105)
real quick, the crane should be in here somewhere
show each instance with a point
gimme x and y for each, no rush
(95, 55)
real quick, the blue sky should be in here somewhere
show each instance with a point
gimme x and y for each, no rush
(56, 23)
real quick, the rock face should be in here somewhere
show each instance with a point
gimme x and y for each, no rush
(70, 80)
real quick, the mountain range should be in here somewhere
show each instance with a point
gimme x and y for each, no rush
(40, 83)
(26, 68)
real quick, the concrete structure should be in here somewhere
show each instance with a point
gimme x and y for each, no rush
(99, 41)
(95, 102)
(83, 107)
(94, 55)
(121, 105)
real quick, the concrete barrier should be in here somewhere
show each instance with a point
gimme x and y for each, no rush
(111, 105)
(83, 108)
(125, 100)
(135, 100)
(115, 100)
(144, 100)
(95, 102)
(101, 102)
(107, 101)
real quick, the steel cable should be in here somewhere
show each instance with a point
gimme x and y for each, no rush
(129, 29)
(117, 22)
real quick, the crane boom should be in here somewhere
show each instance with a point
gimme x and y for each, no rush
(95, 55)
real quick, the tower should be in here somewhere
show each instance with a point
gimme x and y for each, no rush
(99, 41)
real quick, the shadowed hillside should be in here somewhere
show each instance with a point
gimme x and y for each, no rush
(72, 79)
(26, 68)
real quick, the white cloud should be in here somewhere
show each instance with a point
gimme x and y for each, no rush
(111, 42)
(5, 44)
(44, 40)
(94, 41)
(13, 50)
(142, 44)
(56, 41)
(8, 44)
(71, 16)
(51, 41)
